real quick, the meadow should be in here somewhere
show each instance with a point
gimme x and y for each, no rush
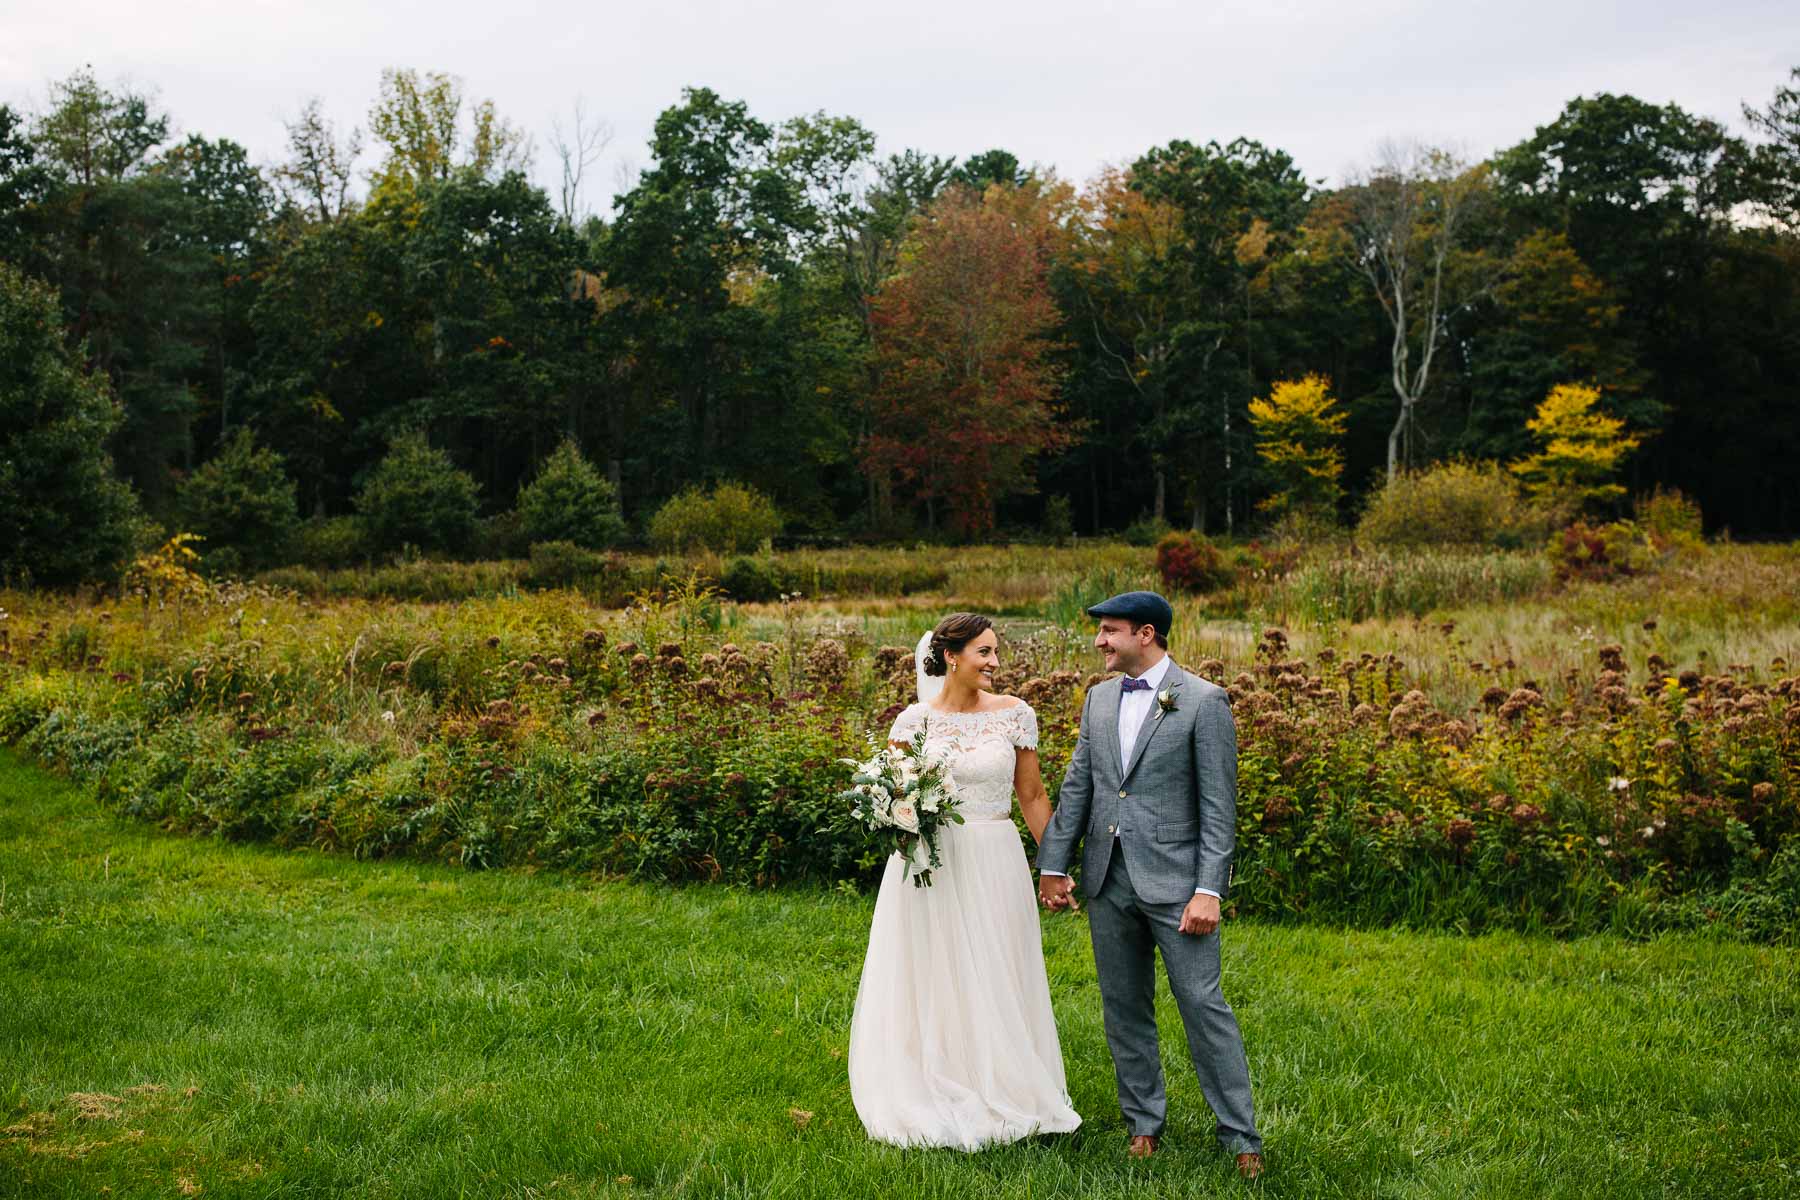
(1439, 740)
(193, 1017)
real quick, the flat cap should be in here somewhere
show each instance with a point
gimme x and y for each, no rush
(1140, 608)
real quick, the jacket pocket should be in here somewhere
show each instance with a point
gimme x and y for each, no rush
(1178, 831)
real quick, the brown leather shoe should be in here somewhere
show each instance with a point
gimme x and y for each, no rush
(1143, 1145)
(1250, 1165)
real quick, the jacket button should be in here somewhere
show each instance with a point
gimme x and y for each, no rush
(1123, 793)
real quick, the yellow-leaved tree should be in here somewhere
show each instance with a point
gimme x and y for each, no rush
(1582, 449)
(1298, 428)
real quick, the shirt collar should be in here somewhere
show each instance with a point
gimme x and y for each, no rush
(1154, 676)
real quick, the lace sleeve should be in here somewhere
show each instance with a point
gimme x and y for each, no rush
(1024, 730)
(906, 725)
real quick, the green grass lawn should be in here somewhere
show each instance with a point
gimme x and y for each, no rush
(237, 1021)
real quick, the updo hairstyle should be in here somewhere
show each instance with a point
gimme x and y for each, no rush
(953, 633)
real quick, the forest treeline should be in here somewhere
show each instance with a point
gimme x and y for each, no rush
(900, 344)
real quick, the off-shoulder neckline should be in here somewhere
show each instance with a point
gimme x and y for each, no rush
(921, 706)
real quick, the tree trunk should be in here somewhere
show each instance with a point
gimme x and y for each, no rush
(1393, 447)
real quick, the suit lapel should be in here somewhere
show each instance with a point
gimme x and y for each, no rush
(1171, 683)
(1106, 731)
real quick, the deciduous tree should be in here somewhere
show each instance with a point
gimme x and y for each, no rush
(968, 392)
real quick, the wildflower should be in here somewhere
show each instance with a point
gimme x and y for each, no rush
(827, 663)
(1619, 783)
(1519, 701)
(1460, 832)
(493, 641)
(388, 716)
(1762, 793)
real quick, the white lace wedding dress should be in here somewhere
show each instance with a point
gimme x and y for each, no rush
(953, 1042)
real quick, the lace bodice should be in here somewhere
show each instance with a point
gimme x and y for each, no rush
(980, 746)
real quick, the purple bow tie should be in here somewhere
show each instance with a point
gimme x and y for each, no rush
(1134, 685)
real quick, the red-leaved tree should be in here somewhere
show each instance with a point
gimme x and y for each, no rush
(963, 338)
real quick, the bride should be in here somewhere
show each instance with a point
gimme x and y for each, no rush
(953, 1042)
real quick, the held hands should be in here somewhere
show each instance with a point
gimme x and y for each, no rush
(1201, 916)
(1057, 892)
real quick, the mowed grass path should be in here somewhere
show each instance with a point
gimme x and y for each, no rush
(280, 1024)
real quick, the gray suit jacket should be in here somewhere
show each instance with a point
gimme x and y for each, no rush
(1172, 807)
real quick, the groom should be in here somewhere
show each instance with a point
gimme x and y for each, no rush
(1152, 793)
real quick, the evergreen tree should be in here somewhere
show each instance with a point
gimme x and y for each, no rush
(64, 516)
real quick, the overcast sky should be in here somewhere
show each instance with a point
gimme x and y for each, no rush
(1062, 84)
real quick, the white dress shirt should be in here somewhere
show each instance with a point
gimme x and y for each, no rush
(1135, 708)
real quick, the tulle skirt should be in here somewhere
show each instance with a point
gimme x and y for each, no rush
(953, 1042)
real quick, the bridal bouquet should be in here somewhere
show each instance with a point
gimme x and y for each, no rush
(905, 796)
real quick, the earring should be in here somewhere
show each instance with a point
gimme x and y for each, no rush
(953, 668)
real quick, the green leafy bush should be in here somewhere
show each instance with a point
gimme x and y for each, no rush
(65, 517)
(417, 497)
(501, 535)
(751, 580)
(1145, 531)
(328, 542)
(1670, 520)
(1457, 503)
(242, 502)
(728, 519)
(489, 735)
(1188, 562)
(570, 501)
(1058, 521)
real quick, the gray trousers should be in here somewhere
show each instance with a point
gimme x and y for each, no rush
(1127, 934)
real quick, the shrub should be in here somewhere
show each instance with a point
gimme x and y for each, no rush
(64, 516)
(242, 502)
(1190, 563)
(500, 536)
(329, 542)
(728, 519)
(418, 497)
(1145, 531)
(1584, 551)
(564, 564)
(1456, 503)
(752, 580)
(1058, 521)
(1670, 520)
(570, 501)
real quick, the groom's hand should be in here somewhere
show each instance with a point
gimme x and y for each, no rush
(1201, 916)
(1056, 892)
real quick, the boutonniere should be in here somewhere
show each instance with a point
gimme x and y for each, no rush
(1165, 702)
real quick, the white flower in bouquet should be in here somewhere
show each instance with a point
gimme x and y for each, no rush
(904, 796)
